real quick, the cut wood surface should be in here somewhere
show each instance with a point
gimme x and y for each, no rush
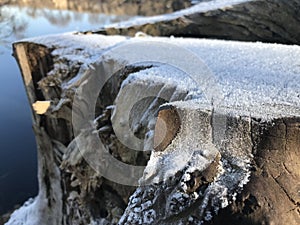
(232, 156)
(166, 128)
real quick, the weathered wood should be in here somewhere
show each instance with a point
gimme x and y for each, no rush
(245, 20)
(166, 128)
(237, 161)
(271, 194)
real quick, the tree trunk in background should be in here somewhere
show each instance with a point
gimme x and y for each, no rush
(262, 20)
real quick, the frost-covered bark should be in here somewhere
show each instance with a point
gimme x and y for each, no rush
(228, 182)
(245, 20)
(236, 161)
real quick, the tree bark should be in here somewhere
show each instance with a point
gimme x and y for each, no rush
(236, 162)
(270, 197)
(264, 20)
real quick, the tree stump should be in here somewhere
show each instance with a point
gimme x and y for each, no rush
(226, 149)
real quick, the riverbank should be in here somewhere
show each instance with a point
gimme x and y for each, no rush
(115, 7)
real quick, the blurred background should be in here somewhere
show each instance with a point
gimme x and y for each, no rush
(21, 19)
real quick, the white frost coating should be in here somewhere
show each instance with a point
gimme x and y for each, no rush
(27, 214)
(175, 157)
(71, 44)
(31, 213)
(201, 7)
(155, 83)
(208, 216)
(249, 74)
(78, 49)
(149, 217)
(186, 177)
(163, 74)
(252, 76)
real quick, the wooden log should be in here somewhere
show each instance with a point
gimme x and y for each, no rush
(266, 21)
(235, 161)
(267, 198)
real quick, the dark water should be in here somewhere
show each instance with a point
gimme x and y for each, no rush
(18, 163)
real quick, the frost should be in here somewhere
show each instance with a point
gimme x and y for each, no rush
(149, 216)
(276, 77)
(200, 7)
(190, 219)
(146, 205)
(186, 177)
(208, 216)
(26, 215)
(264, 79)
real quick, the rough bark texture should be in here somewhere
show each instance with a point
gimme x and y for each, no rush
(274, 180)
(255, 20)
(270, 197)
(247, 173)
(75, 193)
